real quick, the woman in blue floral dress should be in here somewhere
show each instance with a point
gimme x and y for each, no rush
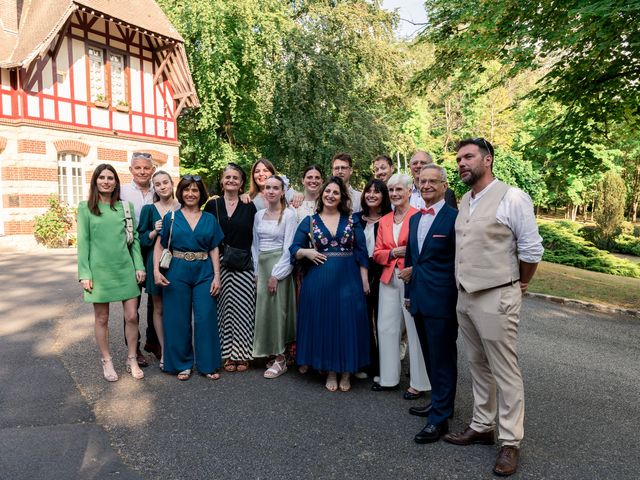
(333, 326)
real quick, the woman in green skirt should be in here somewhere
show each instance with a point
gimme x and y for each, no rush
(273, 231)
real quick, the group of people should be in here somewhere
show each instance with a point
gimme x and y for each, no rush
(327, 278)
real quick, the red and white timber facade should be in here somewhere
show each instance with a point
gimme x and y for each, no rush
(103, 80)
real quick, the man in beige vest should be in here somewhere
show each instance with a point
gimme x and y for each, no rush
(498, 248)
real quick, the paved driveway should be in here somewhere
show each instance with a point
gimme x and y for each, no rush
(582, 380)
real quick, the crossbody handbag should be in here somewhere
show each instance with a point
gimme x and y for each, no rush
(128, 222)
(166, 256)
(233, 258)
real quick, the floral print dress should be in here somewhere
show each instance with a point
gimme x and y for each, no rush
(333, 326)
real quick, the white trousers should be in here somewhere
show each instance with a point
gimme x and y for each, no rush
(391, 314)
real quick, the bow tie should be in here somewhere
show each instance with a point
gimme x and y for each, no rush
(428, 211)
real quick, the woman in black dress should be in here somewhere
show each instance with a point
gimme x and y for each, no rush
(375, 204)
(237, 301)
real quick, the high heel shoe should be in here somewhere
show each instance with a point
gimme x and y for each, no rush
(133, 368)
(108, 371)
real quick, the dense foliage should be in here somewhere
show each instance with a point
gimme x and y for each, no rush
(554, 85)
(52, 227)
(564, 245)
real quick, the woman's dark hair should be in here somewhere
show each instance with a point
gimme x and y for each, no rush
(187, 180)
(156, 197)
(344, 207)
(237, 168)
(312, 167)
(253, 188)
(378, 186)
(94, 195)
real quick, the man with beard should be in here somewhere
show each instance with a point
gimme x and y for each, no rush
(498, 248)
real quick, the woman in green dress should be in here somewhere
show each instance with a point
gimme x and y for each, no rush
(109, 268)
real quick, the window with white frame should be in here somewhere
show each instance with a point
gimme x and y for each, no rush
(96, 74)
(70, 179)
(118, 92)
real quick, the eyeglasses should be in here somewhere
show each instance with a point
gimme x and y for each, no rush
(141, 155)
(433, 183)
(341, 167)
(195, 178)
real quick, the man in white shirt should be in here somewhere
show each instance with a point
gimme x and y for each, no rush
(418, 160)
(342, 167)
(498, 248)
(140, 193)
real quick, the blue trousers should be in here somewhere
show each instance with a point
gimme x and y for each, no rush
(438, 341)
(188, 294)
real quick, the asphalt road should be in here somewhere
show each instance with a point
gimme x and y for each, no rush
(60, 420)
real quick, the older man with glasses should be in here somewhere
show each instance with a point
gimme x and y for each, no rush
(140, 193)
(418, 161)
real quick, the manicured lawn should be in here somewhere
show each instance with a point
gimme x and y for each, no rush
(575, 283)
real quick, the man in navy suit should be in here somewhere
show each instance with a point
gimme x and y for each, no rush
(431, 294)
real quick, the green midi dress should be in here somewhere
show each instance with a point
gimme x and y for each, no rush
(103, 254)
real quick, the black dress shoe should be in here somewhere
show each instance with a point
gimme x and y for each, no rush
(376, 387)
(407, 395)
(431, 433)
(421, 411)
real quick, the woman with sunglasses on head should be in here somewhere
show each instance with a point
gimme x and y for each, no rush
(375, 204)
(190, 283)
(237, 300)
(110, 265)
(333, 327)
(273, 230)
(164, 202)
(389, 252)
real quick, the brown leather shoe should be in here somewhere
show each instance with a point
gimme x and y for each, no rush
(470, 436)
(507, 461)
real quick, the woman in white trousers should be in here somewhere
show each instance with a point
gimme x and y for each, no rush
(389, 252)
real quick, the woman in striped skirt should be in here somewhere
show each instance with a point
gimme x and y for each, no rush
(237, 300)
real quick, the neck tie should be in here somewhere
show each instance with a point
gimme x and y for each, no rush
(428, 211)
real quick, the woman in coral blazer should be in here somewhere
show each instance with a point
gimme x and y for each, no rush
(389, 252)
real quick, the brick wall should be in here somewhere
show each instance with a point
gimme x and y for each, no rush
(112, 155)
(32, 146)
(25, 200)
(23, 227)
(72, 146)
(30, 173)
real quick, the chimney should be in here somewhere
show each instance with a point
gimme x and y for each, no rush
(10, 11)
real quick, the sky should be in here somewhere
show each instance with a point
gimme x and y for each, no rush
(412, 10)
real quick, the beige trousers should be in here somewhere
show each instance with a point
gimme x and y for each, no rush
(488, 322)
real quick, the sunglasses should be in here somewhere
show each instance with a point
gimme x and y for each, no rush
(141, 155)
(486, 145)
(195, 178)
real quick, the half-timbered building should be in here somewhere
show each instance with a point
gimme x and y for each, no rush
(83, 82)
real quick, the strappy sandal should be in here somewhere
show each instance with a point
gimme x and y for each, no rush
(184, 375)
(278, 368)
(242, 366)
(135, 372)
(108, 371)
(345, 382)
(332, 382)
(229, 365)
(213, 376)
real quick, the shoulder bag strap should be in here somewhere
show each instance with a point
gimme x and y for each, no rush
(173, 213)
(128, 221)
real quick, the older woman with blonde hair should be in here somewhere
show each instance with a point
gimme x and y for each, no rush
(389, 252)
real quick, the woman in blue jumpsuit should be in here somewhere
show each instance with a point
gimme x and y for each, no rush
(190, 283)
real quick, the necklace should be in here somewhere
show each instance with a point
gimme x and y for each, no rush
(397, 221)
(231, 203)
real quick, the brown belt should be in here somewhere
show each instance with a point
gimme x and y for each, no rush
(508, 284)
(191, 256)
